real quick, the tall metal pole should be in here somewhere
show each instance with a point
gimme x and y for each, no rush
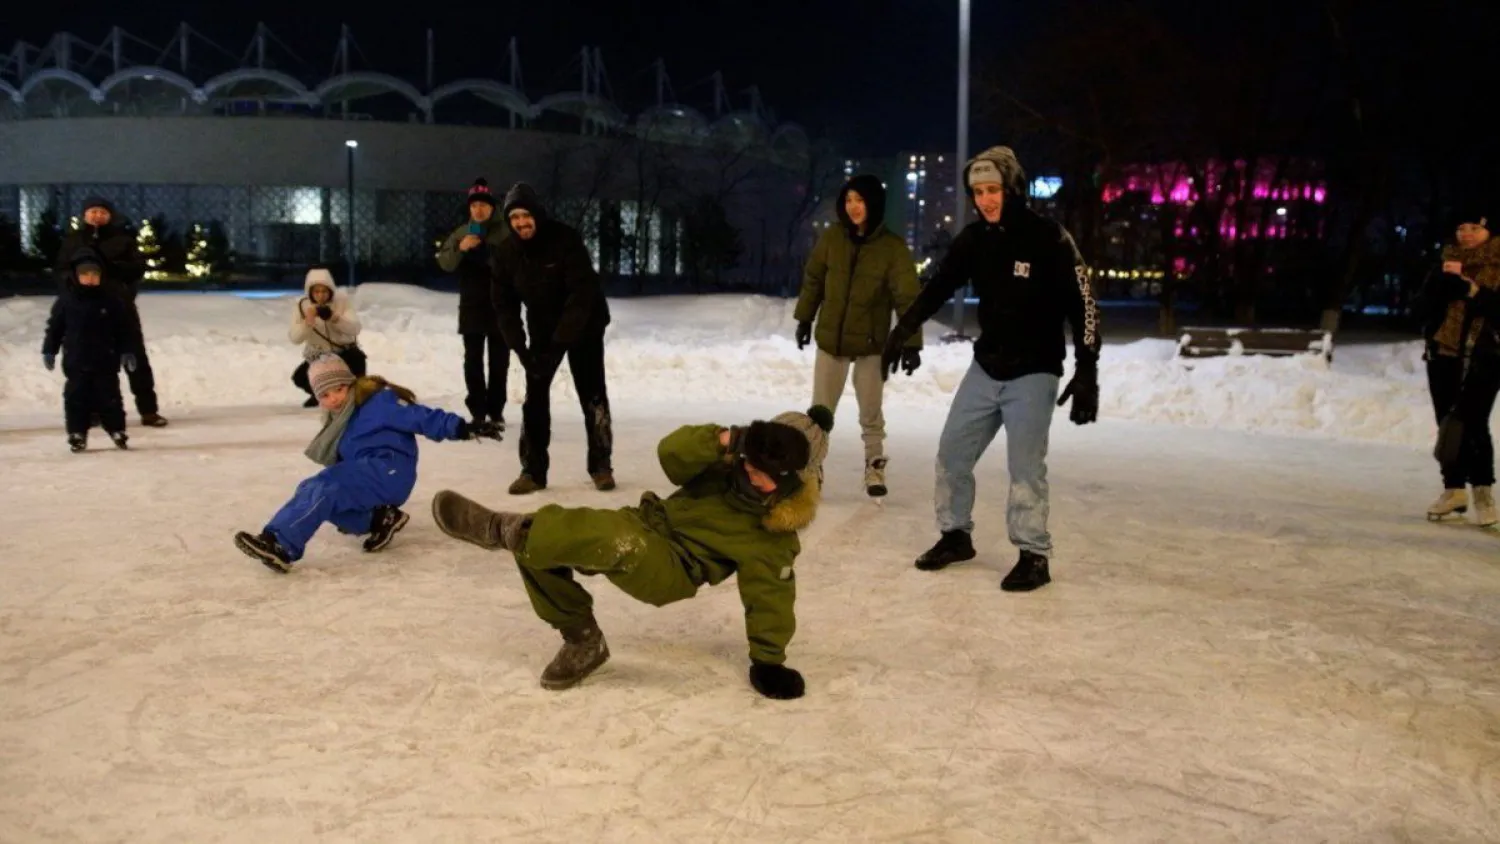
(960, 195)
(349, 147)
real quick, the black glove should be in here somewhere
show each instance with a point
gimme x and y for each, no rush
(1451, 286)
(776, 681)
(1084, 390)
(890, 358)
(324, 312)
(487, 430)
(804, 334)
(910, 360)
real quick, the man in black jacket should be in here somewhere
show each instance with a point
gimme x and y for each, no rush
(545, 266)
(1030, 278)
(467, 252)
(101, 229)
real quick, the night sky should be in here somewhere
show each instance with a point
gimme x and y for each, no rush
(875, 76)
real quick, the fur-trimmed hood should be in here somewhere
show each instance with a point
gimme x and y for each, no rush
(796, 511)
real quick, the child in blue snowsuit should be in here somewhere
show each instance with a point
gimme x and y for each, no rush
(369, 447)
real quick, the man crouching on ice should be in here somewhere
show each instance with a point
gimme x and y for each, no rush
(368, 444)
(744, 492)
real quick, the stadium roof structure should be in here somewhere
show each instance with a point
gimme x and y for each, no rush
(192, 75)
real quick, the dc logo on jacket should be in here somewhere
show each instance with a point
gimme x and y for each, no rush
(1023, 269)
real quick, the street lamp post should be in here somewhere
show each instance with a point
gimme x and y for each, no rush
(349, 147)
(960, 195)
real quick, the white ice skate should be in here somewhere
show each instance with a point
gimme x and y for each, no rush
(1453, 502)
(1484, 506)
(875, 478)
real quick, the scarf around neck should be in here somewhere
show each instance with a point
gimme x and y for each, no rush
(324, 448)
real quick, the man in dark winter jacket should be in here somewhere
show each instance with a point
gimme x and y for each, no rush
(1030, 279)
(467, 252)
(96, 334)
(101, 229)
(545, 266)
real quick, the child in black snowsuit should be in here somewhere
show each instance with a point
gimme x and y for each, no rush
(96, 335)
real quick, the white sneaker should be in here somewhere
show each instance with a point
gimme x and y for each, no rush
(1452, 502)
(1484, 506)
(875, 477)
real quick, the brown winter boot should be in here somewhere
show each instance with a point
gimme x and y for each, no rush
(525, 485)
(583, 651)
(603, 481)
(461, 518)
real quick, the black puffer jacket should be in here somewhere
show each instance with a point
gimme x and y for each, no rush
(115, 246)
(553, 276)
(91, 326)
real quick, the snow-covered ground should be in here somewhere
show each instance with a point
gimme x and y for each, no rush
(1250, 637)
(223, 350)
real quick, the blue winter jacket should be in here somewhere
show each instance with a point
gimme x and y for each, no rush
(385, 424)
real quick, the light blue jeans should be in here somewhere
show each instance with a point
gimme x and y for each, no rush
(1024, 406)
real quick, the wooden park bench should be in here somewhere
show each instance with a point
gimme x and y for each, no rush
(1199, 342)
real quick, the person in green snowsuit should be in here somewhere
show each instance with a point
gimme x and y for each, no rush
(743, 494)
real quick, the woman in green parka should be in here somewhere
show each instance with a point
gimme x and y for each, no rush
(859, 276)
(743, 494)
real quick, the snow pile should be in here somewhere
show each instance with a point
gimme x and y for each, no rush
(210, 350)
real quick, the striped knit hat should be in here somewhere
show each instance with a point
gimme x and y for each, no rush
(328, 372)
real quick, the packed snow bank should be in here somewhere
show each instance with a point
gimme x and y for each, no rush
(223, 350)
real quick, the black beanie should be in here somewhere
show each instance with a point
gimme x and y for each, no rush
(524, 196)
(99, 202)
(480, 192)
(775, 449)
(1477, 214)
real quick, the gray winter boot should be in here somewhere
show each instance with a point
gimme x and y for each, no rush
(583, 651)
(464, 519)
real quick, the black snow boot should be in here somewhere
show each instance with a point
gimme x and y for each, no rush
(265, 548)
(120, 440)
(384, 525)
(583, 651)
(78, 443)
(954, 547)
(1029, 573)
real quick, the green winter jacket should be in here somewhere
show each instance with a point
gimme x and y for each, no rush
(853, 289)
(724, 534)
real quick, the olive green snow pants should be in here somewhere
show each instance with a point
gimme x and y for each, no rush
(647, 564)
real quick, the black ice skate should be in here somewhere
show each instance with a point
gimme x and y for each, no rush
(265, 548)
(472, 522)
(1030, 573)
(583, 651)
(78, 443)
(384, 525)
(954, 547)
(120, 440)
